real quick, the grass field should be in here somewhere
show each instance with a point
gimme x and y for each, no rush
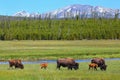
(78, 49)
(33, 72)
(81, 49)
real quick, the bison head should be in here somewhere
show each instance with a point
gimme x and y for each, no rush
(76, 66)
(103, 67)
(19, 65)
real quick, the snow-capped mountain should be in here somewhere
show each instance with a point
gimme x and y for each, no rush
(22, 14)
(26, 14)
(86, 11)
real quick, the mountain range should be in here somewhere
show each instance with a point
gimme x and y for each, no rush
(83, 11)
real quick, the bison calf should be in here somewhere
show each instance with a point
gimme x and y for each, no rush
(93, 66)
(44, 65)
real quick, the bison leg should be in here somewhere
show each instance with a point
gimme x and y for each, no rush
(41, 67)
(95, 68)
(89, 67)
(58, 67)
(44, 67)
(70, 67)
(11, 66)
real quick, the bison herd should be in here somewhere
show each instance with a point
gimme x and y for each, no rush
(70, 63)
(98, 62)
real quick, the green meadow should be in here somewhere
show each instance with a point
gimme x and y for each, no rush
(34, 72)
(54, 49)
(45, 49)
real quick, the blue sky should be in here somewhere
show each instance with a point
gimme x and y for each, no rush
(9, 7)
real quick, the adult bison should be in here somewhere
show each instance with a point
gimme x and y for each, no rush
(67, 62)
(100, 62)
(16, 63)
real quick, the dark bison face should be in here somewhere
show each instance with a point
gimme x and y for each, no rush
(103, 67)
(19, 66)
(76, 66)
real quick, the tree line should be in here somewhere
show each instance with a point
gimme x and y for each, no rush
(60, 29)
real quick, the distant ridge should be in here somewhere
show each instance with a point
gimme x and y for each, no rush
(83, 11)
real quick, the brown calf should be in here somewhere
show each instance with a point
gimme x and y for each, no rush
(44, 65)
(93, 66)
